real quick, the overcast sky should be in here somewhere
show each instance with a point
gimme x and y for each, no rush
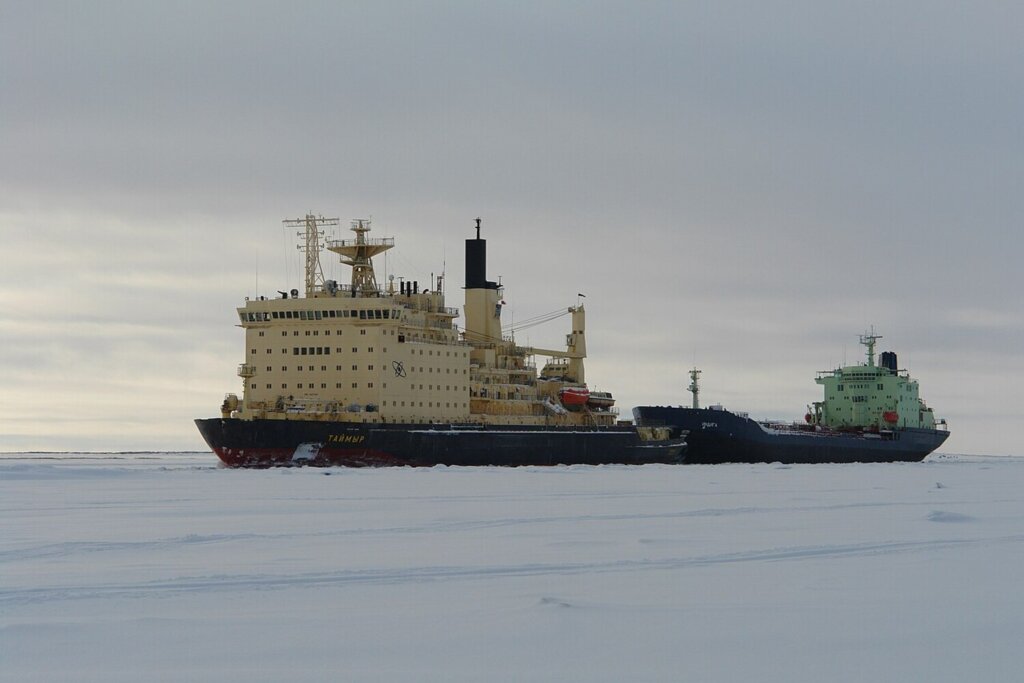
(742, 185)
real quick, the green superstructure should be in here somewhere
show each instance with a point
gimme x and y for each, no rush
(870, 397)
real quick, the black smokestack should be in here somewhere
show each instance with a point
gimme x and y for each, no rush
(476, 261)
(889, 361)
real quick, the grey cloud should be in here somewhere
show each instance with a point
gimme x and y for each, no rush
(748, 180)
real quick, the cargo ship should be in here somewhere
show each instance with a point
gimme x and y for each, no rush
(364, 374)
(870, 413)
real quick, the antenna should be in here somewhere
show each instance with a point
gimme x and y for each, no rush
(359, 253)
(868, 340)
(312, 232)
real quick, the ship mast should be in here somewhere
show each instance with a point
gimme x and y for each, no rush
(694, 388)
(359, 253)
(312, 233)
(869, 340)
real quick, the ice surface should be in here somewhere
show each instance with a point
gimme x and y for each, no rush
(165, 567)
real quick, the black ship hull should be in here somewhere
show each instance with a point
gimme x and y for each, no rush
(719, 436)
(267, 443)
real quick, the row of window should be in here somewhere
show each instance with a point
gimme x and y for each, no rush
(355, 385)
(311, 385)
(316, 333)
(362, 331)
(357, 314)
(327, 333)
(881, 387)
(394, 404)
(355, 368)
(430, 404)
(316, 350)
(311, 350)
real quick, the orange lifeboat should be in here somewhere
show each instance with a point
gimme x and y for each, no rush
(891, 416)
(574, 397)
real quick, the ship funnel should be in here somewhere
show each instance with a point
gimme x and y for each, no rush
(889, 361)
(483, 301)
(476, 261)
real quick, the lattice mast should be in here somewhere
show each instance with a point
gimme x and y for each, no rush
(312, 234)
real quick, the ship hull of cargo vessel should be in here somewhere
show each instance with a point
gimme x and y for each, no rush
(268, 443)
(720, 436)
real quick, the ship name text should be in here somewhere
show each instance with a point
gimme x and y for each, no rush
(346, 438)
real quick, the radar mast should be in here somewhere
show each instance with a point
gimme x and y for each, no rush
(359, 253)
(869, 340)
(694, 388)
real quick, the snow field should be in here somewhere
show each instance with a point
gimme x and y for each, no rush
(165, 567)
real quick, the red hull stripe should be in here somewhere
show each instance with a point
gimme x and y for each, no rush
(340, 457)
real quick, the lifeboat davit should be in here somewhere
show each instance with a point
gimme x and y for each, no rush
(574, 397)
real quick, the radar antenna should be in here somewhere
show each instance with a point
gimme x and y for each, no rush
(312, 246)
(869, 340)
(358, 254)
